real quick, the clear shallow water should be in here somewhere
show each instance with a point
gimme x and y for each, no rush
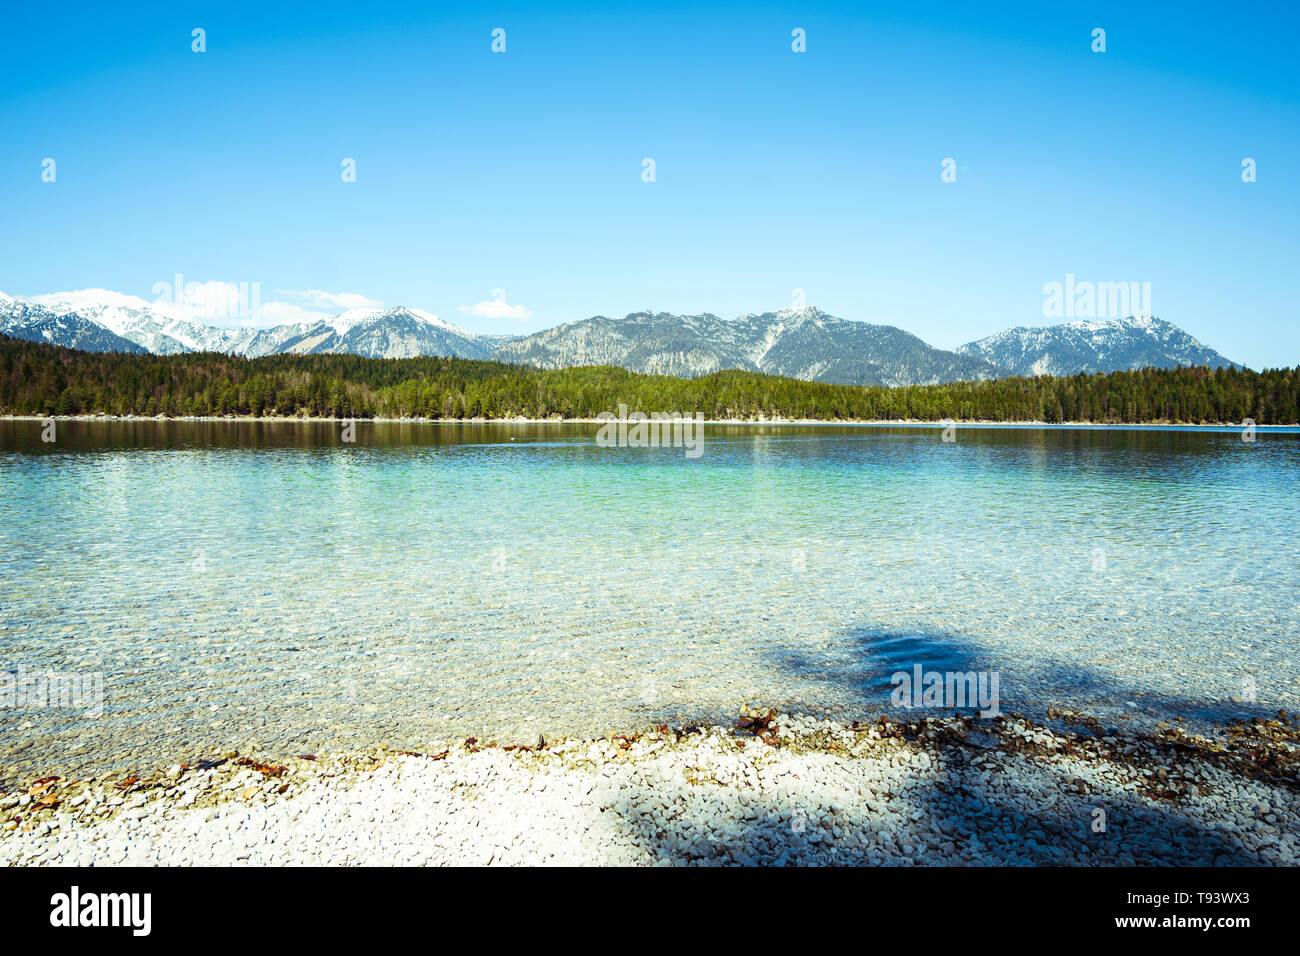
(241, 583)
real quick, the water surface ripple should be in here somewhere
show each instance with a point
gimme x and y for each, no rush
(243, 582)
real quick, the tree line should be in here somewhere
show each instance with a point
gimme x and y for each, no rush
(41, 379)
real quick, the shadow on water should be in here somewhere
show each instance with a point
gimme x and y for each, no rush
(861, 665)
(959, 810)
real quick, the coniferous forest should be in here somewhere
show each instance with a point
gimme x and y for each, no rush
(41, 379)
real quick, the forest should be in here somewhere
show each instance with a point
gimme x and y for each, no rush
(47, 380)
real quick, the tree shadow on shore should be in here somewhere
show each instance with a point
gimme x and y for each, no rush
(978, 797)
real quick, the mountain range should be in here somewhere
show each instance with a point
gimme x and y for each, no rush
(798, 343)
(803, 343)
(1093, 345)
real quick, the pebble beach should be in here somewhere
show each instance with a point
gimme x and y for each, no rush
(772, 788)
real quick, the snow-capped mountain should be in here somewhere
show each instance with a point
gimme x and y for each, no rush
(157, 327)
(811, 345)
(26, 320)
(1094, 345)
(380, 333)
(801, 343)
(658, 343)
(163, 329)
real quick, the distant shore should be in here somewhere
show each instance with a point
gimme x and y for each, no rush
(288, 419)
(775, 788)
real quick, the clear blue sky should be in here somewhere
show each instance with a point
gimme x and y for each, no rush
(775, 170)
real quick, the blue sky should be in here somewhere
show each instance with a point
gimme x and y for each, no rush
(775, 170)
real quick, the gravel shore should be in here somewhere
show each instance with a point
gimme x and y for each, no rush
(775, 788)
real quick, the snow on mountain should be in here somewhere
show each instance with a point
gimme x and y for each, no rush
(161, 328)
(344, 322)
(1094, 345)
(164, 329)
(653, 342)
(801, 343)
(376, 333)
(809, 344)
(27, 320)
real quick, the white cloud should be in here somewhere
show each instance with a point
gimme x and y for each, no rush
(496, 308)
(90, 298)
(222, 304)
(211, 302)
(338, 301)
(286, 313)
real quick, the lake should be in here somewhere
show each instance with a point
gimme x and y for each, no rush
(233, 583)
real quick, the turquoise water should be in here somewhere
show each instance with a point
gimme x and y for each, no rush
(240, 583)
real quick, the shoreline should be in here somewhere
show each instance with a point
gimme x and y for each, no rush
(773, 788)
(846, 423)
